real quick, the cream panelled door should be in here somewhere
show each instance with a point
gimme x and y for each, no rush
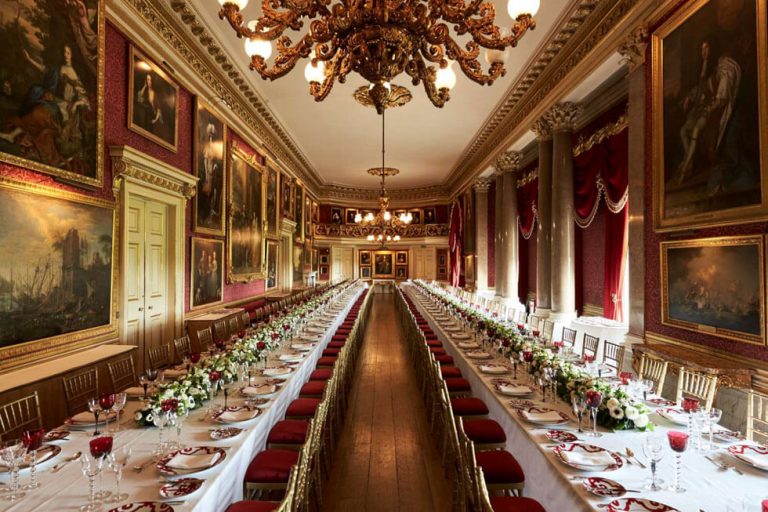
(423, 263)
(342, 263)
(147, 283)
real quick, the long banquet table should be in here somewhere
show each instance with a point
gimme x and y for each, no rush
(66, 490)
(558, 487)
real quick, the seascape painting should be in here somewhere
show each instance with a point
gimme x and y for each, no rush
(210, 143)
(153, 108)
(709, 106)
(715, 286)
(246, 219)
(207, 279)
(51, 87)
(56, 256)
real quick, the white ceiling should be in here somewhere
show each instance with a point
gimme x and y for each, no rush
(342, 139)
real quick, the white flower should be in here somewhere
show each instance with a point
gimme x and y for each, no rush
(616, 413)
(631, 413)
(612, 403)
(137, 416)
(149, 418)
(641, 421)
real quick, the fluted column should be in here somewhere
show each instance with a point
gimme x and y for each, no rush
(562, 118)
(482, 185)
(544, 211)
(499, 256)
(506, 166)
(633, 51)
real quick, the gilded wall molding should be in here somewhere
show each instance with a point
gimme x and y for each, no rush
(528, 177)
(355, 231)
(633, 48)
(344, 194)
(609, 130)
(131, 163)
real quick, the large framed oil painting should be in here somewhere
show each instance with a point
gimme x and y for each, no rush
(383, 264)
(57, 275)
(298, 264)
(207, 272)
(307, 217)
(247, 240)
(715, 286)
(209, 147)
(286, 196)
(153, 101)
(272, 265)
(51, 87)
(273, 212)
(710, 94)
(298, 211)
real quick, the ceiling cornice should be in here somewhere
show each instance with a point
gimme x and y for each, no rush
(176, 23)
(436, 194)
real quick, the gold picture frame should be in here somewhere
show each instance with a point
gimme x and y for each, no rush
(401, 258)
(203, 106)
(205, 273)
(710, 286)
(364, 258)
(273, 266)
(298, 211)
(97, 181)
(34, 350)
(664, 180)
(255, 229)
(384, 264)
(152, 67)
(349, 216)
(273, 216)
(365, 272)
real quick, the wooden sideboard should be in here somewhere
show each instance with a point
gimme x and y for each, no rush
(199, 323)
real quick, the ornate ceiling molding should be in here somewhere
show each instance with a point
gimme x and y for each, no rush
(398, 196)
(226, 81)
(588, 25)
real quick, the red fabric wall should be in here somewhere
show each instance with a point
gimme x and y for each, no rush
(492, 235)
(593, 259)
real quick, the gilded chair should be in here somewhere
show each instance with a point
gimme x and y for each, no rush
(18, 416)
(613, 356)
(160, 356)
(655, 370)
(757, 417)
(697, 385)
(183, 348)
(569, 337)
(220, 330)
(122, 373)
(79, 388)
(590, 345)
(548, 330)
(245, 320)
(234, 325)
(205, 339)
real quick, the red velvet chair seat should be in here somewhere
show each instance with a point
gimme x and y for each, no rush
(438, 351)
(500, 467)
(515, 504)
(444, 359)
(336, 344)
(302, 408)
(253, 506)
(468, 406)
(321, 374)
(313, 388)
(326, 362)
(331, 352)
(484, 431)
(457, 384)
(271, 466)
(449, 371)
(288, 432)
(339, 337)
(434, 343)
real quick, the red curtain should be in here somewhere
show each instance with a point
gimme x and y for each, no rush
(455, 238)
(527, 195)
(615, 252)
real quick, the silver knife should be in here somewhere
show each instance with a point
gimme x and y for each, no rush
(66, 461)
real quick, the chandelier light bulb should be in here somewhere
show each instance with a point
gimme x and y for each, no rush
(370, 238)
(517, 8)
(315, 73)
(387, 215)
(379, 238)
(445, 78)
(493, 56)
(258, 47)
(358, 218)
(397, 238)
(240, 4)
(389, 238)
(369, 217)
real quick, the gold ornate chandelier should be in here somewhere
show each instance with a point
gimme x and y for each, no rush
(379, 40)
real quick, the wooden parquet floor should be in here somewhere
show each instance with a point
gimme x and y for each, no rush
(386, 458)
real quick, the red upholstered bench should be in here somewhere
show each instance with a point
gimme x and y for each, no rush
(252, 306)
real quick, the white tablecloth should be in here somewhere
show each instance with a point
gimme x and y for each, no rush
(67, 489)
(603, 328)
(548, 480)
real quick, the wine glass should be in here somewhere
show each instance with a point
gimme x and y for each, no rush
(100, 448)
(117, 462)
(144, 382)
(180, 419)
(594, 399)
(151, 375)
(653, 447)
(160, 420)
(713, 417)
(678, 442)
(106, 402)
(119, 405)
(32, 441)
(11, 454)
(95, 407)
(579, 403)
(91, 468)
(646, 385)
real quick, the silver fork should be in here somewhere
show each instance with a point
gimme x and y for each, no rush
(66, 461)
(724, 465)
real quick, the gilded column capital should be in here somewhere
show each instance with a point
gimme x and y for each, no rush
(482, 184)
(632, 50)
(542, 129)
(562, 116)
(507, 162)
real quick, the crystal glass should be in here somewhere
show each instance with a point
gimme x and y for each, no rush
(32, 441)
(106, 401)
(713, 417)
(100, 448)
(678, 442)
(653, 448)
(117, 461)
(144, 382)
(160, 420)
(180, 419)
(646, 385)
(594, 399)
(95, 408)
(11, 454)
(91, 468)
(579, 403)
(120, 399)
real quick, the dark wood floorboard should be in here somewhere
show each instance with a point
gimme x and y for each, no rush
(386, 459)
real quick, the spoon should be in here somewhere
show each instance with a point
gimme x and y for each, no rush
(631, 455)
(66, 461)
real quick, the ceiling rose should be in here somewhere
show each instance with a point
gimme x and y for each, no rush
(379, 40)
(397, 96)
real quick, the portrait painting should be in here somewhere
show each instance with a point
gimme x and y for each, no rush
(430, 216)
(401, 257)
(469, 269)
(365, 272)
(298, 211)
(315, 259)
(209, 147)
(324, 271)
(336, 217)
(365, 258)
(153, 101)
(383, 264)
(401, 272)
(247, 242)
(442, 258)
(307, 217)
(416, 214)
(324, 259)
(286, 195)
(709, 104)
(272, 265)
(207, 279)
(273, 220)
(298, 264)
(715, 286)
(349, 215)
(442, 273)
(51, 87)
(56, 269)
(315, 212)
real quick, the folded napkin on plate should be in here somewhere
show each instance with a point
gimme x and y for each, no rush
(468, 345)
(675, 416)
(135, 391)
(759, 460)
(460, 336)
(274, 372)
(588, 459)
(291, 357)
(542, 417)
(197, 461)
(495, 368)
(478, 355)
(263, 389)
(173, 374)
(233, 416)
(316, 330)
(302, 346)
(519, 390)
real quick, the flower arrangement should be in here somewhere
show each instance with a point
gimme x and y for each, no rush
(618, 410)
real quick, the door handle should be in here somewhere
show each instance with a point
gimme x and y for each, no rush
(151, 307)
(141, 309)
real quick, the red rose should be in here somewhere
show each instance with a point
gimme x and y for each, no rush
(261, 345)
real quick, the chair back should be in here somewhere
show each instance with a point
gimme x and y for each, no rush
(698, 385)
(757, 417)
(590, 345)
(613, 356)
(160, 356)
(183, 348)
(534, 322)
(19, 416)
(569, 337)
(245, 320)
(548, 330)
(204, 338)
(220, 330)
(655, 370)
(122, 373)
(79, 388)
(234, 325)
